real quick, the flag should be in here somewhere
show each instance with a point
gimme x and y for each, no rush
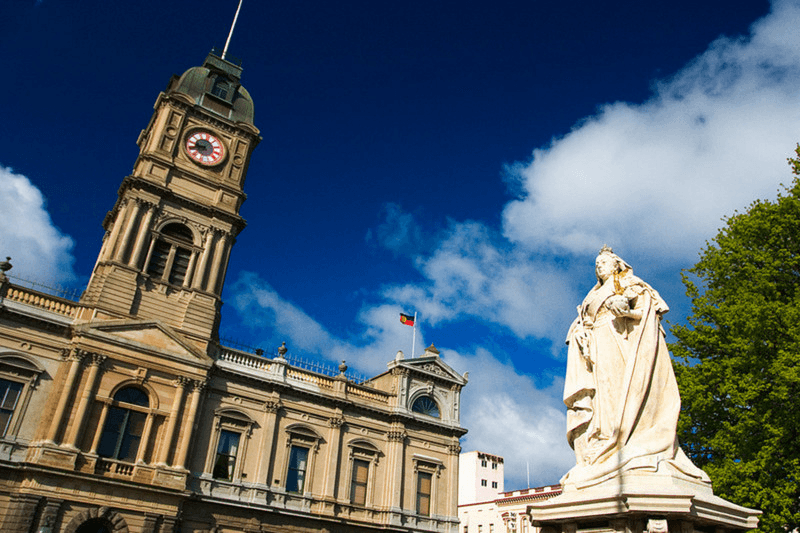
(408, 320)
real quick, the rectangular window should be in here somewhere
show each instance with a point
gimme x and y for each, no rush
(491, 528)
(358, 486)
(483, 463)
(494, 484)
(296, 476)
(480, 528)
(424, 481)
(483, 483)
(225, 461)
(466, 529)
(494, 466)
(9, 395)
(122, 434)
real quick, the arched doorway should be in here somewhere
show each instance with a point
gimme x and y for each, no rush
(95, 525)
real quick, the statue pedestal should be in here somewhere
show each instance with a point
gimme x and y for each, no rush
(638, 502)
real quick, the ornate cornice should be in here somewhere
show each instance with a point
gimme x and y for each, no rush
(236, 221)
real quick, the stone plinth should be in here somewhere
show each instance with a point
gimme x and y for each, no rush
(638, 502)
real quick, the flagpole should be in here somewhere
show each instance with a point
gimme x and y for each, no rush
(230, 34)
(414, 336)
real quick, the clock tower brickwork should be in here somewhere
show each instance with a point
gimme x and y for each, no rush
(170, 233)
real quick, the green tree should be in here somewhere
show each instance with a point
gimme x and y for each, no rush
(738, 358)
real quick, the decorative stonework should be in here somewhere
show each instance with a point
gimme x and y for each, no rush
(114, 520)
(436, 369)
(396, 435)
(272, 406)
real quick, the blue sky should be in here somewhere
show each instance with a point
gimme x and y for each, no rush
(464, 160)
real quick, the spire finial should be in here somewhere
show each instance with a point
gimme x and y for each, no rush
(230, 33)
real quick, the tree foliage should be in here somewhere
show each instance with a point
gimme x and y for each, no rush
(739, 359)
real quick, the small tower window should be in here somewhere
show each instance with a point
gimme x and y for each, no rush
(171, 254)
(221, 88)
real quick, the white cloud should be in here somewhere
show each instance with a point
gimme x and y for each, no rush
(652, 179)
(399, 231)
(657, 177)
(39, 251)
(475, 274)
(499, 401)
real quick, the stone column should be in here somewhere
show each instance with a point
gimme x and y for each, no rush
(183, 449)
(111, 242)
(172, 423)
(148, 428)
(216, 266)
(332, 461)
(50, 512)
(187, 281)
(129, 229)
(75, 357)
(141, 238)
(452, 490)
(149, 255)
(397, 438)
(264, 471)
(95, 363)
(199, 277)
(99, 431)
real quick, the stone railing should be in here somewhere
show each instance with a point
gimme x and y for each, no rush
(38, 299)
(106, 466)
(322, 382)
(283, 369)
(244, 359)
(367, 394)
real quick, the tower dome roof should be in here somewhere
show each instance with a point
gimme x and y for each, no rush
(215, 86)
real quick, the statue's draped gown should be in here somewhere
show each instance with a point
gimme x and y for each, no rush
(620, 389)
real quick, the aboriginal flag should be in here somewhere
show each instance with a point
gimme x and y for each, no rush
(408, 320)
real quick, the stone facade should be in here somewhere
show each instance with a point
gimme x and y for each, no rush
(123, 411)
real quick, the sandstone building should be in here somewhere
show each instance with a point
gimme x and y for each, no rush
(122, 411)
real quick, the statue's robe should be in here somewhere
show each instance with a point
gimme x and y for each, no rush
(620, 389)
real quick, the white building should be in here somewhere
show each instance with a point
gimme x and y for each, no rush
(484, 507)
(481, 477)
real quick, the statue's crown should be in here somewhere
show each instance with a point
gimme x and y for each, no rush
(606, 250)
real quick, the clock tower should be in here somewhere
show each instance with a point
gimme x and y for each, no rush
(169, 236)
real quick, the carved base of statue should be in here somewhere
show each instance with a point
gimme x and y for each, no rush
(635, 501)
(622, 412)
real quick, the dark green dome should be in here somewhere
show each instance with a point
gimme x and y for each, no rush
(215, 86)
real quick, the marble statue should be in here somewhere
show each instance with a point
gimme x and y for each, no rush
(620, 389)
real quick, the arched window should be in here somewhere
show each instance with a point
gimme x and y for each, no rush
(426, 406)
(172, 251)
(122, 433)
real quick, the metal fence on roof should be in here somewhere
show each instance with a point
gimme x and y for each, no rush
(53, 290)
(325, 368)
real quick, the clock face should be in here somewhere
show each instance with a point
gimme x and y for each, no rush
(205, 148)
